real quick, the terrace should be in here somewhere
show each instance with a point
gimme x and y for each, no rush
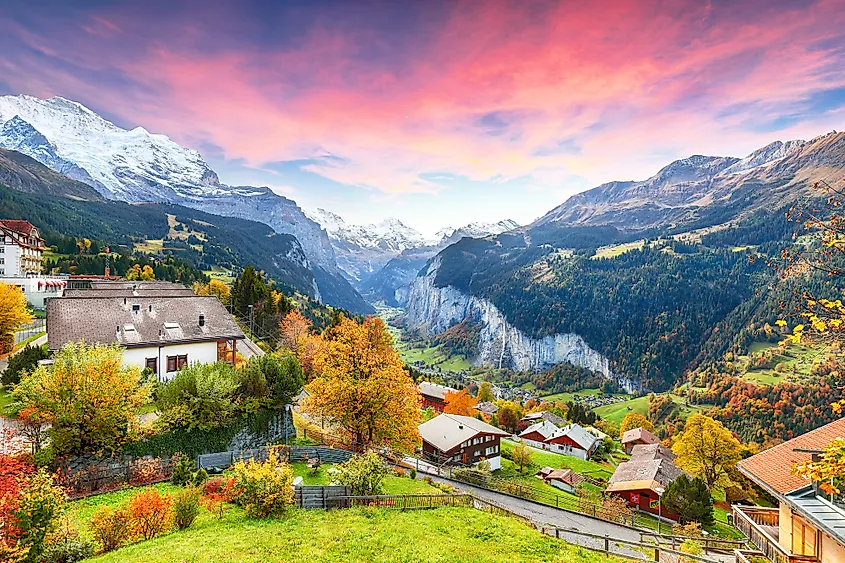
(762, 527)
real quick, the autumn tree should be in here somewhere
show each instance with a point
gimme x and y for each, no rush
(508, 418)
(13, 314)
(87, 395)
(708, 450)
(634, 420)
(291, 330)
(521, 456)
(361, 386)
(828, 470)
(485, 392)
(216, 288)
(137, 273)
(460, 402)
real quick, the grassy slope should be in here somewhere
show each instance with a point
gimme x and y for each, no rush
(372, 535)
(393, 485)
(798, 361)
(617, 411)
(542, 459)
(342, 535)
(5, 401)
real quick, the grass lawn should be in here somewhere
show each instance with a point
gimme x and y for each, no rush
(393, 485)
(614, 250)
(371, 535)
(434, 356)
(5, 401)
(797, 362)
(617, 411)
(566, 397)
(22, 344)
(542, 459)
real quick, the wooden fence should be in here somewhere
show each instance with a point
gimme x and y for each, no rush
(408, 502)
(709, 544)
(222, 460)
(638, 551)
(321, 497)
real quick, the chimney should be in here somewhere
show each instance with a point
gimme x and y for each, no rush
(151, 308)
(108, 271)
(202, 319)
(460, 426)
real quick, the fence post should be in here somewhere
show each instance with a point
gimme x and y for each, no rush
(607, 544)
(657, 554)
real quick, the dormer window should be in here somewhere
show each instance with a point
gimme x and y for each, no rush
(136, 308)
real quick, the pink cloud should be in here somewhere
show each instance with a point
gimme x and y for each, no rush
(629, 82)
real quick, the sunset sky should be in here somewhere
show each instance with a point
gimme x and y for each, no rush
(439, 113)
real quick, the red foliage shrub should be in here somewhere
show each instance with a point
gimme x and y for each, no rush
(151, 513)
(13, 471)
(213, 486)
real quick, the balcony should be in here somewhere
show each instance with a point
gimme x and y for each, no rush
(761, 526)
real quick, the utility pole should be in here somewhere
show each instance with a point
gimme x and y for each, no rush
(251, 324)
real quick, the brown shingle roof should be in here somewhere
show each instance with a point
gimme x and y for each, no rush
(23, 227)
(772, 469)
(138, 321)
(639, 434)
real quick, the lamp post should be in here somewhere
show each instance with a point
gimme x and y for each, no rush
(659, 492)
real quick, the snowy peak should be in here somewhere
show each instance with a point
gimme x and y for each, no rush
(449, 235)
(389, 235)
(766, 155)
(129, 165)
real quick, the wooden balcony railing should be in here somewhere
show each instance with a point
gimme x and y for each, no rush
(757, 523)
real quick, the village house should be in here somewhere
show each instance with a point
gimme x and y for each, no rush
(486, 407)
(538, 433)
(807, 525)
(573, 440)
(461, 440)
(636, 437)
(434, 395)
(534, 417)
(160, 331)
(563, 479)
(642, 479)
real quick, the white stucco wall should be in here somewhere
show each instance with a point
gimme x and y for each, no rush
(200, 352)
(568, 450)
(495, 462)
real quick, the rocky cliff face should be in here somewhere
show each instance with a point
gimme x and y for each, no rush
(434, 310)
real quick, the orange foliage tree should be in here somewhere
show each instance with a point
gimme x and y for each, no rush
(361, 386)
(291, 330)
(460, 402)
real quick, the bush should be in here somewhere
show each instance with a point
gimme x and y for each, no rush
(111, 527)
(36, 514)
(43, 457)
(23, 362)
(278, 377)
(183, 470)
(213, 486)
(67, 546)
(186, 507)
(151, 513)
(364, 474)
(263, 489)
(199, 396)
(200, 477)
(413, 473)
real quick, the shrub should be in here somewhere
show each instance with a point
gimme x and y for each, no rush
(186, 507)
(279, 378)
(213, 486)
(36, 514)
(200, 477)
(151, 513)
(263, 489)
(364, 474)
(111, 527)
(43, 457)
(690, 499)
(398, 472)
(183, 468)
(199, 396)
(23, 362)
(67, 546)
(413, 473)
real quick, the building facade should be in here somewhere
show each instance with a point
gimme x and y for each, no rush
(21, 249)
(807, 526)
(434, 395)
(642, 479)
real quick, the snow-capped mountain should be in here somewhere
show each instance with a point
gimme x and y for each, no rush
(363, 250)
(448, 235)
(136, 165)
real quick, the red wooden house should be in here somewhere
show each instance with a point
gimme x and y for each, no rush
(643, 479)
(434, 395)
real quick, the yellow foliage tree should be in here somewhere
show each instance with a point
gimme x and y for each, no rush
(147, 273)
(485, 392)
(829, 470)
(460, 402)
(134, 273)
(14, 313)
(216, 288)
(88, 396)
(635, 420)
(362, 387)
(708, 450)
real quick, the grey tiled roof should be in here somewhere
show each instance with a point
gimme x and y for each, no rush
(129, 292)
(137, 321)
(449, 430)
(823, 513)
